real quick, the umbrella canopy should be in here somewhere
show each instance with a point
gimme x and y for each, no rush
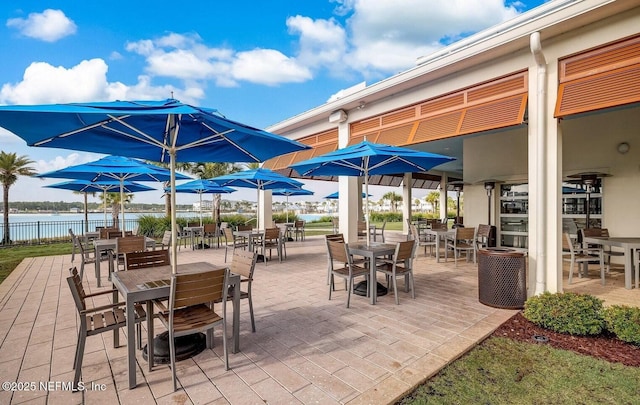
(85, 186)
(336, 196)
(200, 186)
(260, 179)
(365, 159)
(162, 131)
(290, 192)
(116, 168)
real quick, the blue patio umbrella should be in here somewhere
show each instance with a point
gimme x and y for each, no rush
(290, 192)
(85, 186)
(161, 131)
(366, 158)
(260, 179)
(336, 196)
(200, 186)
(114, 168)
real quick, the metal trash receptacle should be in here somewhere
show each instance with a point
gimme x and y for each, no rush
(502, 278)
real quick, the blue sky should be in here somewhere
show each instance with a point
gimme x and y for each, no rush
(256, 62)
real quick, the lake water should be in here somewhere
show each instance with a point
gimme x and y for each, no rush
(25, 227)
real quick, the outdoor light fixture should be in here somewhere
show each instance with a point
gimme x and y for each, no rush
(338, 116)
(489, 186)
(623, 147)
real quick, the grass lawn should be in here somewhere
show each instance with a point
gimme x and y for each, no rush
(12, 256)
(503, 371)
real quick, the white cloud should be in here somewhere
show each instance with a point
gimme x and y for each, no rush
(268, 66)
(50, 25)
(59, 162)
(321, 41)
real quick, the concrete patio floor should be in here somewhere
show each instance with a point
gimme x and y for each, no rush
(306, 349)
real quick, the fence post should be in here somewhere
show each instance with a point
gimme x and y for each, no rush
(39, 232)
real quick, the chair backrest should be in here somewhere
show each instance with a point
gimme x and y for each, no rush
(188, 289)
(166, 238)
(244, 263)
(483, 231)
(210, 229)
(362, 227)
(151, 258)
(114, 233)
(336, 237)
(245, 227)
(74, 238)
(414, 232)
(383, 225)
(77, 291)
(193, 224)
(228, 234)
(404, 250)
(104, 232)
(85, 252)
(298, 224)
(439, 225)
(338, 251)
(271, 234)
(130, 244)
(567, 243)
(465, 234)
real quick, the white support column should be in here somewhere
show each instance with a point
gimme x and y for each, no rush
(265, 209)
(443, 195)
(350, 190)
(407, 200)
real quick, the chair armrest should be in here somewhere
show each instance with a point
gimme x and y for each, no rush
(95, 294)
(161, 305)
(102, 308)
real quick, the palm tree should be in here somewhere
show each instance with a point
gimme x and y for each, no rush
(113, 200)
(209, 170)
(393, 198)
(433, 198)
(11, 166)
(86, 208)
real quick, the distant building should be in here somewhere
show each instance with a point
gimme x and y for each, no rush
(206, 205)
(74, 210)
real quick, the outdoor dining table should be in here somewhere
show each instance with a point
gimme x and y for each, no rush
(144, 285)
(252, 236)
(629, 244)
(440, 235)
(194, 231)
(372, 252)
(105, 245)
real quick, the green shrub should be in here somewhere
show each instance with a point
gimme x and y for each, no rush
(576, 314)
(235, 219)
(385, 216)
(282, 217)
(624, 322)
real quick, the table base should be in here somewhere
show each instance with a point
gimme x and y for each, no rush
(186, 347)
(361, 289)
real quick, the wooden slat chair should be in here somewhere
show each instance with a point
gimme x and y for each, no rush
(401, 265)
(191, 309)
(127, 245)
(271, 240)
(482, 236)
(581, 255)
(463, 241)
(607, 251)
(425, 240)
(210, 233)
(74, 244)
(166, 240)
(98, 319)
(298, 229)
(339, 252)
(375, 232)
(149, 258)
(87, 255)
(362, 228)
(104, 232)
(243, 263)
(232, 242)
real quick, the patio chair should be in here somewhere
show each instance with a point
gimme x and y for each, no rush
(482, 236)
(581, 255)
(233, 242)
(127, 245)
(375, 231)
(271, 240)
(74, 244)
(464, 240)
(424, 240)
(166, 241)
(607, 251)
(335, 222)
(104, 232)
(362, 228)
(298, 229)
(88, 255)
(191, 309)
(243, 263)
(348, 270)
(147, 258)
(400, 265)
(98, 319)
(181, 235)
(210, 233)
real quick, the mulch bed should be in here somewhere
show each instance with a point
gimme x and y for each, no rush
(604, 346)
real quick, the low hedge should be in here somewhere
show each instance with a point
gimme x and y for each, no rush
(583, 314)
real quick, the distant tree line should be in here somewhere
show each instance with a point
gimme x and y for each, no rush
(62, 206)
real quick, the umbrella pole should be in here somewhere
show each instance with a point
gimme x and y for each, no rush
(122, 203)
(104, 205)
(366, 193)
(258, 209)
(286, 208)
(200, 208)
(174, 238)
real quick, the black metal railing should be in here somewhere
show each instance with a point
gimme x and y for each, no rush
(37, 232)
